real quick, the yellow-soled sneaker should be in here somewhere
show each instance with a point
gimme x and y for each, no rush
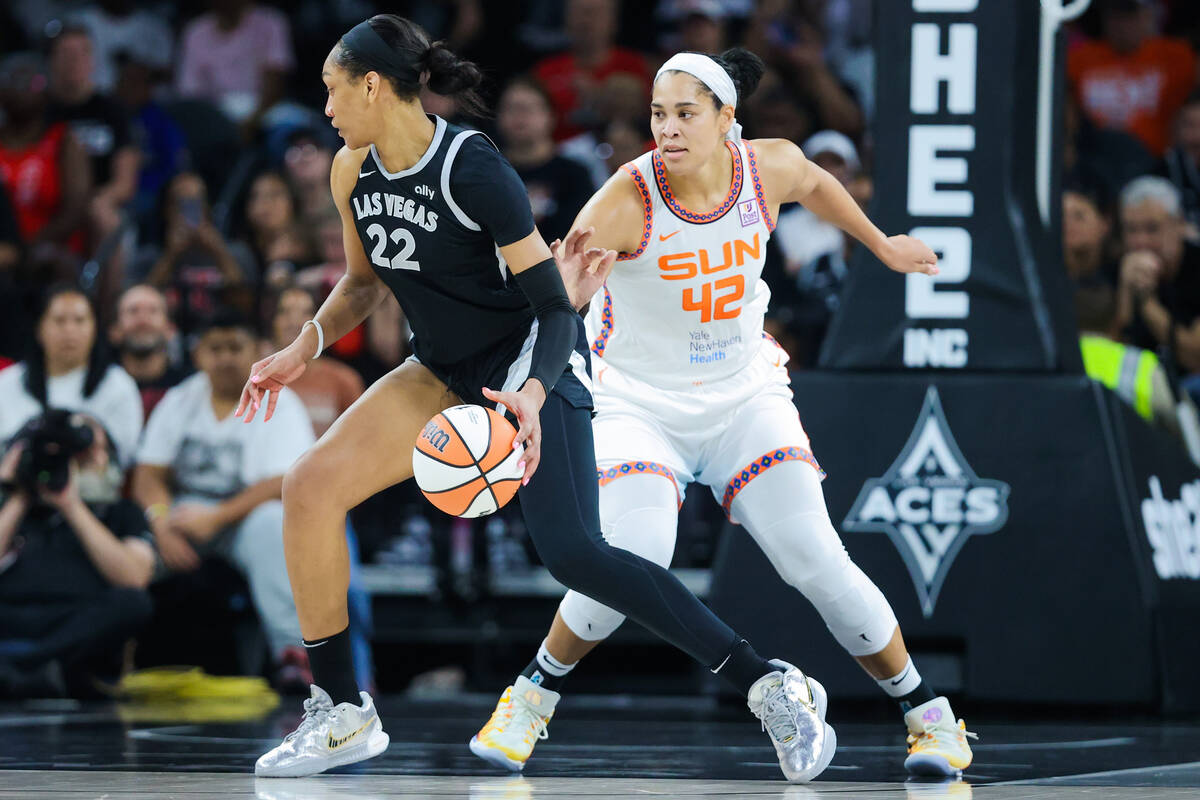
(937, 745)
(519, 721)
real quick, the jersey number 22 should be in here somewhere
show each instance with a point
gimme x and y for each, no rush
(400, 236)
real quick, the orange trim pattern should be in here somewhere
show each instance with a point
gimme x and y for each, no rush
(647, 211)
(606, 325)
(607, 476)
(761, 465)
(758, 189)
(664, 188)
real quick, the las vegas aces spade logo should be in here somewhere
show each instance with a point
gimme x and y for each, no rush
(929, 502)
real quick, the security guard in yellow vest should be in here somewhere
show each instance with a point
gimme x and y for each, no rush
(1133, 373)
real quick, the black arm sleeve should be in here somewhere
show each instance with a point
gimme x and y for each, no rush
(557, 321)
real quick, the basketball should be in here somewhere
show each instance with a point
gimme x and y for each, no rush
(465, 463)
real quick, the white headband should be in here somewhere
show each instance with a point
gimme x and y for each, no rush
(712, 75)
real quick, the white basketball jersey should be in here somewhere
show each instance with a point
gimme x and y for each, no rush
(686, 308)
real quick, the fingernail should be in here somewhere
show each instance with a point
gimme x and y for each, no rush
(256, 379)
(525, 482)
(516, 445)
(521, 465)
(256, 406)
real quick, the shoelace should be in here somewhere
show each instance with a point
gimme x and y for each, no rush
(943, 733)
(524, 715)
(315, 714)
(778, 716)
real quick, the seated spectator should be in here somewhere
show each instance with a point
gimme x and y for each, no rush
(1101, 156)
(211, 484)
(803, 303)
(275, 232)
(790, 40)
(307, 162)
(696, 26)
(192, 263)
(99, 123)
(142, 335)
(118, 28)
(236, 56)
(558, 187)
(1086, 231)
(574, 79)
(1133, 373)
(1182, 162)
(1132, 80)
(803, 236)
(1158, 299)
(45, 172)
(621, 97)
(75, 560)
(67, 369)
(162, 142)
(327, 387)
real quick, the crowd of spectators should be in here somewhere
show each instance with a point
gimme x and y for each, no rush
(165, 209)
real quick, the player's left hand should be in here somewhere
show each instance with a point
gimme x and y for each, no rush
(525, 405)
(906, 254)
(584, 269)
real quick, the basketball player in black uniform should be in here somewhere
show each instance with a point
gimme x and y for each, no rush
(433, 213)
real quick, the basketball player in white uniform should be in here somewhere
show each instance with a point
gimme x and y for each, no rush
(689, 388)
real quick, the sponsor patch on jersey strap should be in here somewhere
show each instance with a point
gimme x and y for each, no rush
(334, 744)
(763, 463)
(607, 476)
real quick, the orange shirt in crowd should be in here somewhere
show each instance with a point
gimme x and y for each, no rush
(1138, 92)
(327, 388)
(563, 78)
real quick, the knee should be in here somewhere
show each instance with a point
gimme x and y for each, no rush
(805, 550)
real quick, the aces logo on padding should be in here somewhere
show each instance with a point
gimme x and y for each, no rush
(929, 502)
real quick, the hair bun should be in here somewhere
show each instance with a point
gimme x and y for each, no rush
(449, 74)
(745, 68)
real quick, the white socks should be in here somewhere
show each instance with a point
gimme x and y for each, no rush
(902, 683)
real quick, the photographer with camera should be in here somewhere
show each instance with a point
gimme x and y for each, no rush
(75, 558)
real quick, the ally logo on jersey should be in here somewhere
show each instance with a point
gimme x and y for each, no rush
(929, 502)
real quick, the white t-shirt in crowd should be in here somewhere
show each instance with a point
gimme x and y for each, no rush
(218, 458)
(116, 403)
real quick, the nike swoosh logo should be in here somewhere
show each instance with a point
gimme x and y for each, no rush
(662, 238)
(315, 644)
(365, 174)
(334, 744)
(903, 675)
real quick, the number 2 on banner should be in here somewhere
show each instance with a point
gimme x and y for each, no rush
(710, 310)
(400, 236)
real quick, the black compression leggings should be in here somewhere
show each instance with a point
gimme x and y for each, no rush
(561, 505)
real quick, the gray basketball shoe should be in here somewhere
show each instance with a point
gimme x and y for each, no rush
(792, 709)
(328, 736)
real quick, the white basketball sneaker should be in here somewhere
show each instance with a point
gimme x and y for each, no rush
(329, 736)
(937, 745)
(519, 721)
(792, 709)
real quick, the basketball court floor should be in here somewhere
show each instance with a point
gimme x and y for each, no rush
(600, 747)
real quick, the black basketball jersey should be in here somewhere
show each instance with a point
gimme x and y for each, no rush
(433, 234)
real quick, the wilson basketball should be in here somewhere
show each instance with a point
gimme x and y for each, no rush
(465, 463)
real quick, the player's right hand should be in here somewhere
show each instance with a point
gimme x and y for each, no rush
(270, 375)
(584, 269)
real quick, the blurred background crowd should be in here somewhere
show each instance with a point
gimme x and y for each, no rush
(165, 220)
